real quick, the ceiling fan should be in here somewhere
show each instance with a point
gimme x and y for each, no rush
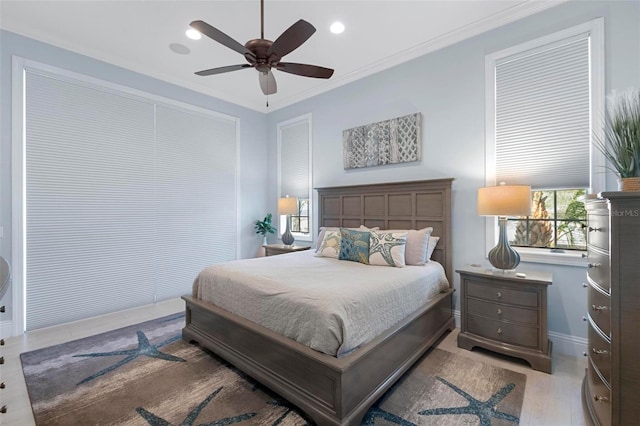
(263, 54)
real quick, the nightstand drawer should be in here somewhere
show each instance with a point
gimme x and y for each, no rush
(598, 231)
(498, 311)
(599, 350)
(503, 332)
(502, 294)
(600, 309)
(599, 269)
(599, 396)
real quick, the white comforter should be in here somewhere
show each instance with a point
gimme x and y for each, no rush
(332, 306)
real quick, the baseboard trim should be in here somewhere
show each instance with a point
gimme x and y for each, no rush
(562, 343)
(568, 344)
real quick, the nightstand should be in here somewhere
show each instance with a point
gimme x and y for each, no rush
(274, 249)
(505, 313)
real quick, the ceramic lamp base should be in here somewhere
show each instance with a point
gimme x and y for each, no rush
(502, 256)
(287, 238)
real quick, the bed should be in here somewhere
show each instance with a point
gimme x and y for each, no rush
(339, 390)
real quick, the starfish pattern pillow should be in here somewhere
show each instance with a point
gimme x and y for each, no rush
(387, 248)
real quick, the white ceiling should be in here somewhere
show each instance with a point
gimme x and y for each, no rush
(379, 34)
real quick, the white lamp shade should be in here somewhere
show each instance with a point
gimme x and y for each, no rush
(504, 200)
(288, 205)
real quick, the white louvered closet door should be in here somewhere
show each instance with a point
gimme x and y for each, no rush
(89, 198)
(196, 193)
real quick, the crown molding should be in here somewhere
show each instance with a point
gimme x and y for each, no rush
(506, 16)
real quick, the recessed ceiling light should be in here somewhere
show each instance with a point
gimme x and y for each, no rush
(337, 27)
(193, 34)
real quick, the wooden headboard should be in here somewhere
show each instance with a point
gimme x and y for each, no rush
(397, 205)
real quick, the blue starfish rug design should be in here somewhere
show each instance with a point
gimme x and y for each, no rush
(146, 374)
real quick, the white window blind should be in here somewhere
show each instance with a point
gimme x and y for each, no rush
(119, 211)
(294, 160)
(196, 210)
(542, 107)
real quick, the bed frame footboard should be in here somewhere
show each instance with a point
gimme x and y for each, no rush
(331, 391)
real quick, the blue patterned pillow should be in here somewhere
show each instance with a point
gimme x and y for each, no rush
(354, 245)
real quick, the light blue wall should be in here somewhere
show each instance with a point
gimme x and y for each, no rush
(447, 87)
(253, 168)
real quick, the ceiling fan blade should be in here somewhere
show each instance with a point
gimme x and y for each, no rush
(220, 70)
(305, 70)
(217, 35)
(268, 83)
(291, 39)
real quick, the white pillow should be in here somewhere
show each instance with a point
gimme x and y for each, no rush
(387, 248)
(433, 241)
(330, 246)
(417, 245)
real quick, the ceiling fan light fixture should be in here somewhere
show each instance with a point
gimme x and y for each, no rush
(265, 55)
(193, 34)
(337, 27)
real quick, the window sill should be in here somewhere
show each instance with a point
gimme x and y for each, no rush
(568, 258)
(299, 237)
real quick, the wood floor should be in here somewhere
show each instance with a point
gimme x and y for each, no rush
(550, 399)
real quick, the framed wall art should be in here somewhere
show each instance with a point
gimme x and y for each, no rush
(392, 141)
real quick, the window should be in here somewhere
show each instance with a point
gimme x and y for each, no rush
(558, 221)
(294, 173)
(123, 197)
(543, 98)
(300, 221)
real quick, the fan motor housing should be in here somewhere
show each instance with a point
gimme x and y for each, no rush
(260, 47)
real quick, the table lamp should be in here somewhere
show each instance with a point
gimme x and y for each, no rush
(287, 206)
(502, 201)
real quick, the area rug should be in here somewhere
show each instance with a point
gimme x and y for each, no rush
(146, 375)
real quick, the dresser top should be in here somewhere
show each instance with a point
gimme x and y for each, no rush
(539, 277)
(620, 195)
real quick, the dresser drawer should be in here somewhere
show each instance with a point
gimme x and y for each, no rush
(599, 307)
(503, 332)
(599, 396)
(502, 294)
(598, 231)
(599, 350)
(599, 269)
(502, 312)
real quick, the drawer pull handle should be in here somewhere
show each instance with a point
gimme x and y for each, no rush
(585, 255)
(599, 351)
(594, 229)
(499, 311)
(499, 331)
(592, 265)
(598, 308)
(585, 354)
(498, 295)
(597, 398)
(585, 319)
(2, 385)
(3, 409)
(585, 285)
